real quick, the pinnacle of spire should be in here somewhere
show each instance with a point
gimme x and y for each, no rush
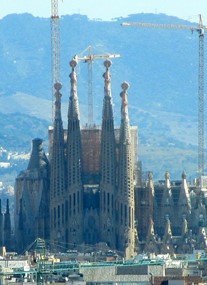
(184, 199)
(124, 95)
(167, 199)
(150, 180)
(107, 105)
(184, 175)
(125, 128)
(73, 111)
(168, 231)
(167, 180)
(107, 78)
(57, 87)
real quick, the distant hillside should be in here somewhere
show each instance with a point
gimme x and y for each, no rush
(17, 130)
(161, 66)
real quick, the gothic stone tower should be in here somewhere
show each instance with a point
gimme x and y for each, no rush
(32, 199)
(107, 165)
(125, 231)
(74, 166)
(58, 204)
(85, 192)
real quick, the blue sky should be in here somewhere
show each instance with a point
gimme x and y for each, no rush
(108, 9)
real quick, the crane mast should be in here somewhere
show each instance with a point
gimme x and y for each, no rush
(90, 59)
(201, 93)
(55, 48)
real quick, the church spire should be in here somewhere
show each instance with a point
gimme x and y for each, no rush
(58, 174)
(184, 197)
(125, 195)
(7, 227)
(151, 243)
(150, 183)
(74, 164)
(167, 246)
(167, 180)
(73, 110)
(74, 157)
(167, 199)
(147, 210)
(166, 208)
(108, 163)
(125, 129)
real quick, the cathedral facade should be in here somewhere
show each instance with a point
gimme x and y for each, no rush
(89, 191)
(83, 193)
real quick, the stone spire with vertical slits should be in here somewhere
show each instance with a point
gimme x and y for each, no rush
(7, 227)
(58, 171)
(57, 186)
(150, 183)
(167, 245)
(184, 202)
(150, 195)
(74, 164)
(108, 163)
(167, 204)
(167, 199)
(151, 243)
(74, 157)
(125, 191)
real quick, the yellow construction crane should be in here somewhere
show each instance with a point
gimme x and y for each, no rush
(55, 48)
(201, 31)
(89, 58)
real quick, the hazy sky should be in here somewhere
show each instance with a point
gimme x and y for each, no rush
(108, 9)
